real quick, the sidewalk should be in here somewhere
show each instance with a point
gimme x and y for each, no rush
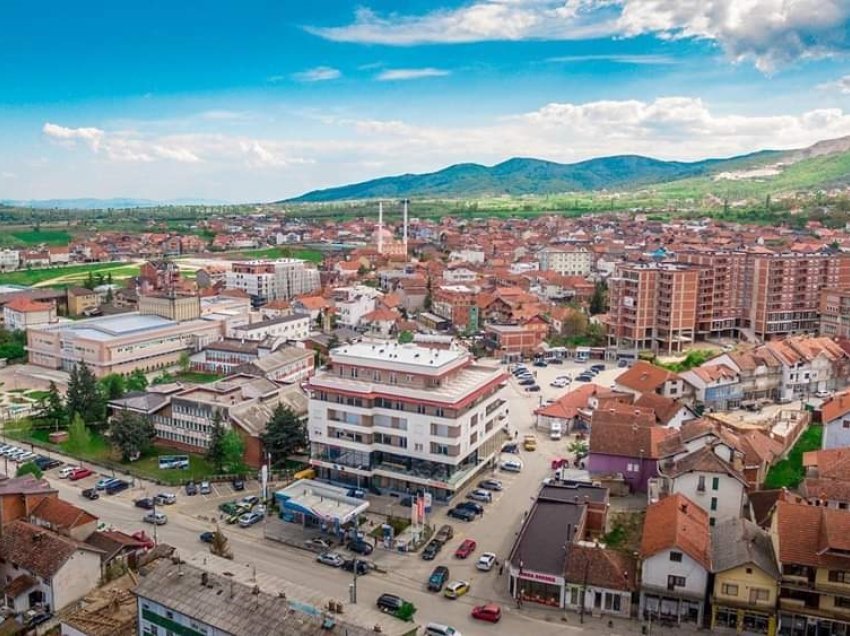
(603, 626)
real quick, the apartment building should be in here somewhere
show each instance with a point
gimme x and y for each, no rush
(723, 291)
(268, 280)
(654, 305)
(835, 312)
(567, 261)
(404, 418)
(458, 304)
(171, 306)
(786, 290)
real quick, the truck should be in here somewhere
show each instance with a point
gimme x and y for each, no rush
(555, 432)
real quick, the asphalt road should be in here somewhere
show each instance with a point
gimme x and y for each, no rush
(406, 575)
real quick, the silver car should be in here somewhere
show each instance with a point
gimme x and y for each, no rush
(331, 558)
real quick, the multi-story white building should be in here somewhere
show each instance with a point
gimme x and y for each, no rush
(568, 261)
(352, 303)
(9, 260)
(296, 328)
(268, 280)
(405, 418)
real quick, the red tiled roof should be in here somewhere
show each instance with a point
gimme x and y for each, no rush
(677, 522)
(807, 534)
(601, 567)
(837, 406)
(644, 377)
(25, 305)
(61, 514)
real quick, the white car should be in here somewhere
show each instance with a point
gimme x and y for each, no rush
(486, 561)
(479, 494)
(823, 394)
(511, 466)
(67, 471)
(558, 383)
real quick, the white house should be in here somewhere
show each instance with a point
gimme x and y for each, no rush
(295, 327)
(43, 568)
(20, 313)
(709, 481)
(675, 550)
(352, 303)
(717, 387)
(460, 275)
(9, 260)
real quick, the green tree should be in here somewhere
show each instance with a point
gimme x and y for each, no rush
(89, 284)
(233, 452)
(219, 545)
(131, 433)
(184, 362)
(137, 381)
(29, 468)
(404, 337)
(333, 341)
(578, 447)
(216, 450)
(109, 278)
(54, 412)
(109, 295)
(285, 434)
(84, 395)
(113, 386)
(599, 300)
(79, 436)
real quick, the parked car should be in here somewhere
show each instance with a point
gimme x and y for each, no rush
(250, 518)
(238, 484)
(390, 603)
(823, 394)
(145, 502)
(156, 518)
(27, 456)
(445, 533)
(529, 442)
(558, 383)
(205, 488)
(360, 564)
(142, 537)
(431, 550)
(317, 543)
(534, 388)
(541, 363)
(47, 463)
(331, 558)
(116, 486)
(490, 484)
(438, 578)
(466, 547)
(67, 471)
(511, 466)
(249, 500)
(103, 482)
(556, 361)
(90, 493)
(528, 382)
(357, 493)
(597, 367)
(622, 363)
(360, 547)
(490, 612)
(456, 589)
(165, 499)
(511, 447)
(438, 629)
(80, 473)
(479, 494)
(207, 537)
(191, 489)
(486, 561)
(584, 377)
(464, 514)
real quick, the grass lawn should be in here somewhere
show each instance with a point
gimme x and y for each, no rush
(37, 395)
(100, 452)
(35, 237)
(196, 377)
(313, 256)
(34, 276)
(789, 472)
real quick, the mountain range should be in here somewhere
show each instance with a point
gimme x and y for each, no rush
(102, 204)
(528, 176)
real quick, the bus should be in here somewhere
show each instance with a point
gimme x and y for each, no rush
(173, 461)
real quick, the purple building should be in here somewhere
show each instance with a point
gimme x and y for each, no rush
(629, 446)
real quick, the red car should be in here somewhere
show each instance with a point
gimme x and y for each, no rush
(560, 462)
(80, 473)
(466, 548)
(490, 612)
(142, 537)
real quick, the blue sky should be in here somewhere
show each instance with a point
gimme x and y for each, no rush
(260, 100)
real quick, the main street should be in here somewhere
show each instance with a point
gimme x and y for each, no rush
(404, 574)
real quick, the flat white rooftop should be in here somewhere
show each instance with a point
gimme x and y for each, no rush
(391, 355)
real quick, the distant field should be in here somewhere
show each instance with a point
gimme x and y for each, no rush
(26, 238)
(73, 274)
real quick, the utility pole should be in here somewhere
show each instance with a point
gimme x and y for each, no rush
(155, 542)
(356, 562)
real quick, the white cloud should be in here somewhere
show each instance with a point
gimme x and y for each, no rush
(770, 33)
(842, 85)
(318, 74)
(396, 74)
(90, 136)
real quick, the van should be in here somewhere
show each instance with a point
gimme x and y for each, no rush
(555, 431)
(438, 578)
(437, 629)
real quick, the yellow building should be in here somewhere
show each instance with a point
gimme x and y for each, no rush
(746, 578)
(81, 301)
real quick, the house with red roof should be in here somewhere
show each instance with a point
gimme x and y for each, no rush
(675, 549)
(22, 312)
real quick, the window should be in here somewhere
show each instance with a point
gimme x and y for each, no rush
(675, 581)
(676, 557)
(612, 602)
(701, 484)
(839, 576)
(712, 521)
(842, 602)
(729, 589)
(759, 594)
(714, 503)
(715, 483)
